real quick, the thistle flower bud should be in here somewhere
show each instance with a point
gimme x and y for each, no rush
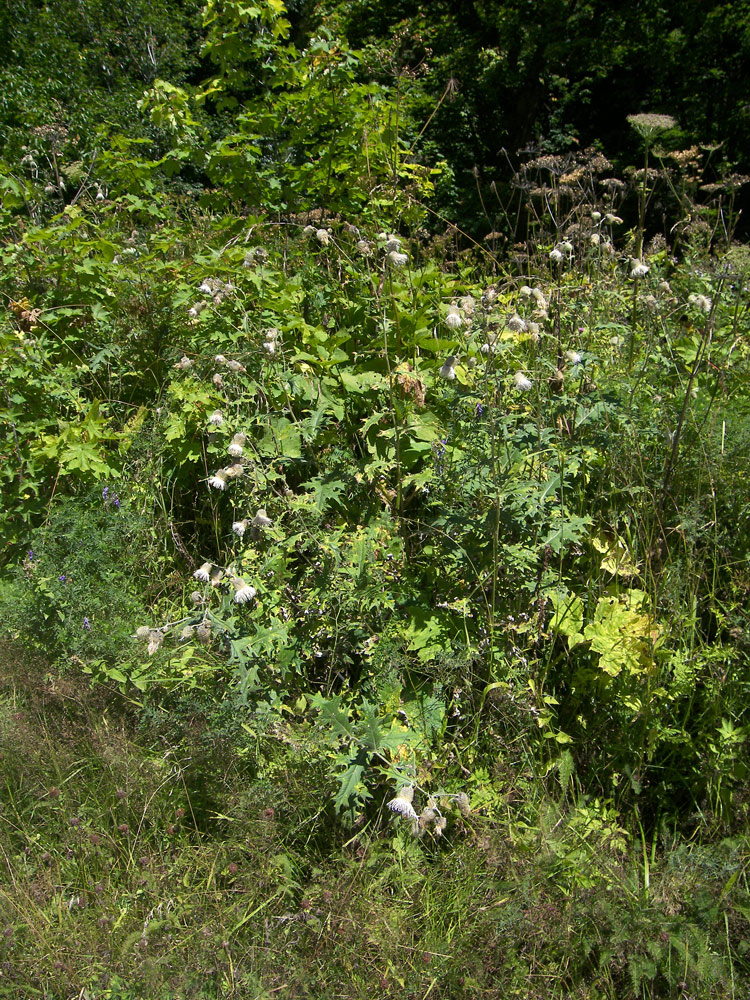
(142, 633)
(218, 380)
(516, 324)
(155, 639)
(464, 806)
(196, 598)
(236, 366)
(184, 363)
(573, 357)
(261, 519)
(203, 631)
(187, 633)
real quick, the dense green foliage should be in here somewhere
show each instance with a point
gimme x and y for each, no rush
(375, 595)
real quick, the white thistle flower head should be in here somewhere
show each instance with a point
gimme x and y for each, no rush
(393, 244)
(516, 324)
(440, 824)
(448, 369)
(701, 302)
(522, 382)
(612, 220)
(184, 363)
(468, 304)
(216, 418)
(219, 480)
(454, 319)
(236, 366)
(566, 246)
(142, 633)
(272, 335)
(596, 216)
(99, 194)
(396, 259)
(364, 248)
(323, 237)
(243, 592)
(464, 806)
(220, 359)
(237, 445)
(489, 295)
(195, 311)
(187, 633)
(664, 286)
(206, 287)
(240, 527)
(533, 330)
(638, 269)
(203, 572)
(556, 256)
(234, 471)
(651, 302)
(538, 296)
(573, 357)
(595, 239)
(309, 230)
(402, 804)
(261, 519)
(155, 639)
(218, 380)
(471, 363)
(217, 575)
(525, 291)
(269, 347)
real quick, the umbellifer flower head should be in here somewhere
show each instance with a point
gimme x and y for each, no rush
(648, 126)
(402, 804)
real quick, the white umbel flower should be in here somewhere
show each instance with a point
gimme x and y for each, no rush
(402, 804)
(203, 573)
(522, 382)
(237, 445)
(219, 480)
(396, 259)
(243, 592)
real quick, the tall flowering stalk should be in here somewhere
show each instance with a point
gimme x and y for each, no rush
(649, 127)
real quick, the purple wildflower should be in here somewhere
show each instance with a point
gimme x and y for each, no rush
(86, 623)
